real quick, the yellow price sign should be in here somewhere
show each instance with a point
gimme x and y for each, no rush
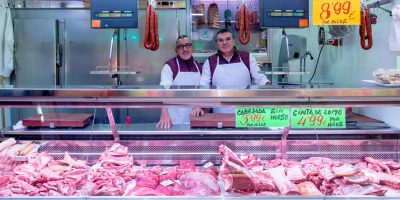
(336, 12)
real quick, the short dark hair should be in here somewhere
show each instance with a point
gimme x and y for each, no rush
(181, 37)
(224, 30)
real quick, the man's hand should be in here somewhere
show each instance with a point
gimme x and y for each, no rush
(196, 112)
(165, 120)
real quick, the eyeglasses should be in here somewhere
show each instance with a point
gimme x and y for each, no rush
(182, 46)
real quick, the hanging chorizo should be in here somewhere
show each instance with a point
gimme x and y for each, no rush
(244, 26)
(254, 20)
(237, 19)
(151, 30)
(365, 30)
(147, 31)
(247, 27)
(156, 40)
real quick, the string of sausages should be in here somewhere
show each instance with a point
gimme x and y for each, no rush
(365, 30)
(244, 25)
(254, 20)
(151, 40)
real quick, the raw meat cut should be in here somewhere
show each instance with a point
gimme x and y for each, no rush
(282, 182)
(361, 180)
(234, 173)
(308, 188)
(262, 181)
(379, 163)
(295, 174)
(199, 184)
(345, 170)
(146, 178)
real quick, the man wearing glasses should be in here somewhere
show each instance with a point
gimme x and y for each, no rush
(180, 70)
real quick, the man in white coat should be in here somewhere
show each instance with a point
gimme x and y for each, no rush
(180, 70)
(230, 67)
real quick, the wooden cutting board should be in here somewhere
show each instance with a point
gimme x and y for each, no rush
(54, 120)
(216, 120)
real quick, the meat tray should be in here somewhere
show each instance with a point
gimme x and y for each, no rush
(54, 120)
(215, 120)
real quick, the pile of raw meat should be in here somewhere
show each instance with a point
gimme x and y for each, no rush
(44, 176)
(246, 174)
(10, 148)
(240, 174)
(114, 175)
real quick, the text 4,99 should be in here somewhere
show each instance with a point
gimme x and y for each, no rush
(313, 120)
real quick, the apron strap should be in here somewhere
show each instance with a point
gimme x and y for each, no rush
(177, 64)
(197, 67)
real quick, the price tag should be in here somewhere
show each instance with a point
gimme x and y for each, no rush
(207, 165)
(164, 172)
(262, 117)
(318, 118)
(166, 183)
(336, 12)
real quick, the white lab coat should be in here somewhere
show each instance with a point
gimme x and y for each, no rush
(394, 35)
(6, 42)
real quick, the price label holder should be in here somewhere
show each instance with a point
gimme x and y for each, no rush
(318, 118)
(336, 12)
(262, 117)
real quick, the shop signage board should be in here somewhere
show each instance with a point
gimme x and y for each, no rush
(318, 118)
(303, 118)
(336, 12)
(262, 117)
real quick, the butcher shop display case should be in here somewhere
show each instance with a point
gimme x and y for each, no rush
(330, 143)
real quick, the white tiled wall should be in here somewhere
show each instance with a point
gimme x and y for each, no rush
(350, 64)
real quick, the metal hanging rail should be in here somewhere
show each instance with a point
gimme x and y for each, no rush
(380, 3)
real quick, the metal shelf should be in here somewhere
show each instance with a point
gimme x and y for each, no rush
(283, 73)
(121, 70)
(183, 131)
(205, 96)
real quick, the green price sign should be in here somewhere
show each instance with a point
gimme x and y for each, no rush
(262, 117)
(318, 118)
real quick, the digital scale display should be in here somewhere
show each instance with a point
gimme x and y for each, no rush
(109, 14)
(114, 14)
(286, 13)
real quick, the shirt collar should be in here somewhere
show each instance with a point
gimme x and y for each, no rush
(235, 55)
(181, 60)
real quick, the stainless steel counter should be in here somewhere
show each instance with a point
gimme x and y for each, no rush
(184, 132)
(156, 96)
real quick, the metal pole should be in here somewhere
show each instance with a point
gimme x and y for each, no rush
(112, 124)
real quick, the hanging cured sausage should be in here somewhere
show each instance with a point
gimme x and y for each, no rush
(200, 18)
(244, 25)
(254, 20)
(151, 30)
(213, 16)
(365, 30)
(237, 19)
